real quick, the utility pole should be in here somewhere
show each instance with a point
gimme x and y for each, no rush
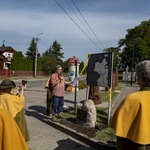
(36, 54)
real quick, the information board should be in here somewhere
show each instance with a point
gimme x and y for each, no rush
(99, 69)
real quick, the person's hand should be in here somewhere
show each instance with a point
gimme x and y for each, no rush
(60, 78)
(21, 91)
(23, 88)
(58, 81)
(70, 82)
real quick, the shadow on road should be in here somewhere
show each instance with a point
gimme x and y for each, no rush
(68, 101)
(38, 109)
(38, 112)
(69, 144)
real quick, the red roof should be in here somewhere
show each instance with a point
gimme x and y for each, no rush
(73, 59)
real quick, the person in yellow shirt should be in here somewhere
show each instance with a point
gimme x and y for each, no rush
(10, 136)
(131, 121)
(14, 105)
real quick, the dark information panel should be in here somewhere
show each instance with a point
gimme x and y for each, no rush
(99, 69)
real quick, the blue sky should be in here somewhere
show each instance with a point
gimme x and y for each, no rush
(23, 20)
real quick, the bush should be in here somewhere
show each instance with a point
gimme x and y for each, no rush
(81, 85)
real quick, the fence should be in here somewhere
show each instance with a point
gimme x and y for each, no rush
(10, 73)
(5, 73)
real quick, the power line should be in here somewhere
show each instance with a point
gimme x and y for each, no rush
(15, 43)
(87, 23)
(82, 23)
(76, 23)
(8, 32)
(12, 33)
(43, 43)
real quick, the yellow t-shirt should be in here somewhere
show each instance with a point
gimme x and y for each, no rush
(11, 103)
(132, 118)
(10, 135)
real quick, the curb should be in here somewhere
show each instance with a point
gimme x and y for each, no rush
(81, 137)
(116, 98)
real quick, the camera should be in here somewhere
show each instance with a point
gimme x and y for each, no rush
(24, 82)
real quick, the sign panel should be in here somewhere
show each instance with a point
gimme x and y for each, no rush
(99, 69)
(81, 115)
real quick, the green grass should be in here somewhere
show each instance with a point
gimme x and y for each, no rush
(107, 134)
(102, 115)
(105, 96)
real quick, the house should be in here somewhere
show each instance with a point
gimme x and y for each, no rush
(6, 55)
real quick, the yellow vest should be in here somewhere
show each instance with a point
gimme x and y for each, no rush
(132, 118)
(11, 103)
(10, 136)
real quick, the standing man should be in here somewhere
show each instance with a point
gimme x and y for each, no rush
(57, 84)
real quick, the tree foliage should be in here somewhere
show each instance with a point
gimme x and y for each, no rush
(32, 49)
(81, 67)
(65, 66)
(52, 57)
(29, 63)
(116, 55)
(54, 51)
(136, 44)
(18, 61)
(48, 64)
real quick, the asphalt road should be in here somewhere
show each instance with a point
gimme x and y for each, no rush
(40, 83)
(33, 83)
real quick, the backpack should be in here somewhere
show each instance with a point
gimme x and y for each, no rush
(49, 84)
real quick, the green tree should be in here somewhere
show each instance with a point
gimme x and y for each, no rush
(65, 66)
(116, 52)
(48, 64)
(39, 65)
(18, 62)
(30, 63)
(52, 57)
(32, 49)
(55, 50)
(31, 52)
(48, 52)
(81, 67)
(136, 45)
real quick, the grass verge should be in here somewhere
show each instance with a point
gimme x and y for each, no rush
(105, 134)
